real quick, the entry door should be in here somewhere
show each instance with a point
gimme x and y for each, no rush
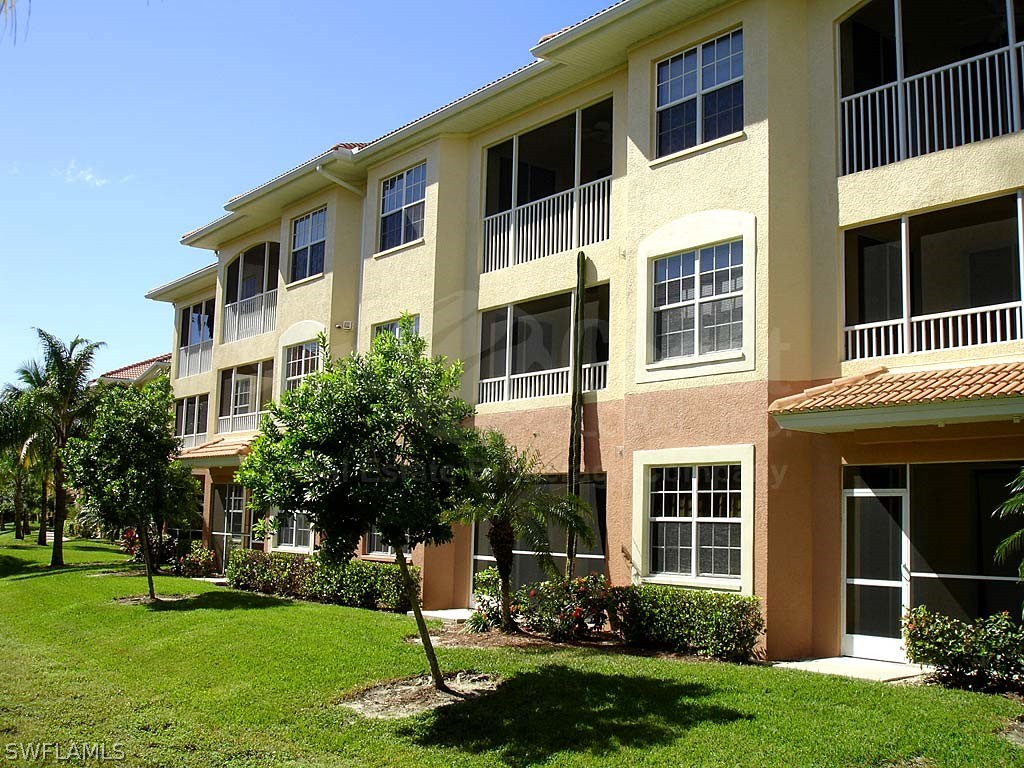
(876, 572)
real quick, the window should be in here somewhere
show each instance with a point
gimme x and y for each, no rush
(191, 416)
(375, 544)
(700, 94)
(309, 238)
(695, 518)
(393, 327)
(244, 394)
(698, 301)
(401, 207)
(252, 273)
(299, 362)
(295, 532)
(196, 324)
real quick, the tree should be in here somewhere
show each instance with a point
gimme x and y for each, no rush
(509, 497)
(37, 449)
(1013, 544)
(124, 467)
(64, 406)
(18, 423)
(374, 440)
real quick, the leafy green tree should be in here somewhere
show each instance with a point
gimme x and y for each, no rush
(374, 440)
(1013, 544)
(124, 467)
(64, 406)
(509, 496)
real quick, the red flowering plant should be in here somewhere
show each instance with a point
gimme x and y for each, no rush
(564, 609)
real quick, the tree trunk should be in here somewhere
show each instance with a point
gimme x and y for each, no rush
(502, 539)
(59, 513)
(19, 505)
(412, 592)
(147, 558)
(576, 405)
(41, 540)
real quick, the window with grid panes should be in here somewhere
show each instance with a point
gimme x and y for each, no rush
(694, 514)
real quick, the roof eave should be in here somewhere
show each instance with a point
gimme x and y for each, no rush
(917, 414)
(179, 287)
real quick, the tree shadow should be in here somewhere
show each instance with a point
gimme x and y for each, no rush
(537, 714)
(18, 569)
(220, 600)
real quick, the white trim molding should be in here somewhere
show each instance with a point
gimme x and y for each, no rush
(643, 461)
(688, 233)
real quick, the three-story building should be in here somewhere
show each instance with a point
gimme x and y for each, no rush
(803, 359)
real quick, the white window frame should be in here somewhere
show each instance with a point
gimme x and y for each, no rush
(697, 95)
(295, 527)
(643, 463)
(393, 327)
(308, 245)
(406, 203)
(294, 380)
(689, 233)
(698, 301)
(195, 425)
(388, 550)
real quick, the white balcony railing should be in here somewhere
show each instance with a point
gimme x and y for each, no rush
(243, 422)
(572, 219)
(195, 358)
(971, 100)
(250, 317)
(520, 386)
(942, 330)
(191, 441)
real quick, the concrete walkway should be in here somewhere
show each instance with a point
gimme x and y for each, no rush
(862, 669)
(453, 615)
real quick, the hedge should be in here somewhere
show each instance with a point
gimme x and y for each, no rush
(357, 583)
(691, 621)
(986, 654)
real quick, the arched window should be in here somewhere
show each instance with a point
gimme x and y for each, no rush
(252, 273)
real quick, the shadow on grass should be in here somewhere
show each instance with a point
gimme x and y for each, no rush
(538, 714)
(220, 600)
(19, 569)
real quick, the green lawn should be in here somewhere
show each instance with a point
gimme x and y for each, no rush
(231, 679)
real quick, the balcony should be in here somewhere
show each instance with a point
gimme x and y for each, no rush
(962, 286)
(526, 348)
(240, 422)
(195, 359)
(250, 317)
(520, 386)
(191, 441)
(565, 221)
(549, 190)
(909, 92)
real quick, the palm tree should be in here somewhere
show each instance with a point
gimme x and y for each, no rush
(1013, 507)
(510, 498)
(17, 425)
(63, 405)
(36, 451)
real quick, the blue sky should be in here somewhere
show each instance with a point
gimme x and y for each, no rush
(128, 123)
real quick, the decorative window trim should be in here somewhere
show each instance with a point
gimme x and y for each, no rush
(688, 233)
(698, 95)
(405, 205)
(643, 462)
(292, 381)
(308, 246)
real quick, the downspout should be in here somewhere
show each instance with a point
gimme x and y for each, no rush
(361, 194)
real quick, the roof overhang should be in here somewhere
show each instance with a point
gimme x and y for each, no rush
(923, 414)
(218, 452)
(185, 286)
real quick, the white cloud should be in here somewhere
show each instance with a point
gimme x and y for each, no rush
(75, 175)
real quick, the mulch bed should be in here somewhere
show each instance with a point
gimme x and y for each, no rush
(411, 696)
(145, 599)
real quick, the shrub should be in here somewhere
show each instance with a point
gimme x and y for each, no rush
(356, 584)
(199, 563)
(986, 654)
(691, 621)
(486, 590)
(563, 609)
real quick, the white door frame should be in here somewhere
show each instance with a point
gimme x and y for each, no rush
(870, 646)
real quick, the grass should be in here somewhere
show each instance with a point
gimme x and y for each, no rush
(232, 679)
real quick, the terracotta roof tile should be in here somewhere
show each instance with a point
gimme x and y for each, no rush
(219, 447)
(133, 371)
(881, 387)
